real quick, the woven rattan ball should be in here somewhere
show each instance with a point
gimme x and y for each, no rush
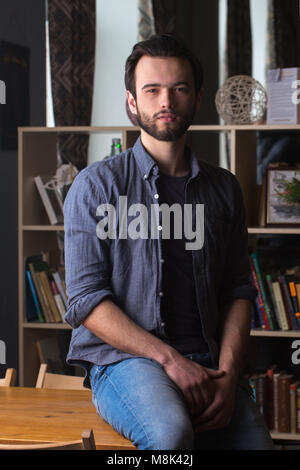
(241, 100)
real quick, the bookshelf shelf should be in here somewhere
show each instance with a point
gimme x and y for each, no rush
(47, 326)
(274, 230)
(50, 228)
(277, 333)
(285, 436)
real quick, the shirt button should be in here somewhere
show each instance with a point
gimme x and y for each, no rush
(161, 294)
(162, 260)
(145, 177)
(162, 324)
(156, 196)
(159, 227)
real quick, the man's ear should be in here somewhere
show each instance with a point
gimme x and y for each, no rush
(131, 102)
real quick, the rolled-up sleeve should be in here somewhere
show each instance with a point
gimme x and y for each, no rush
(237, 284)
(87, 258)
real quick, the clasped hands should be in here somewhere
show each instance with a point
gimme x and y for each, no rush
(210, 394)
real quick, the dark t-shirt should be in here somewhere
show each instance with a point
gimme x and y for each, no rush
(179, 305)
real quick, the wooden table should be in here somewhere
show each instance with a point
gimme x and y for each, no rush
(30, 415)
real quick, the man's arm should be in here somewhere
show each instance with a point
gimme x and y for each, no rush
(113, 326)
(234, 341)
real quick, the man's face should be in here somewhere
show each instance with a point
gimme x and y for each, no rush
(165, 101)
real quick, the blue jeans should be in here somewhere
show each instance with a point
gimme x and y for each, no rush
(137, 398)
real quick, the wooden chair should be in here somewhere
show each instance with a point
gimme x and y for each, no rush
(87, 443)
(67, 382)
(9, 379)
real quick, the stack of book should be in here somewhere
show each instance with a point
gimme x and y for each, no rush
(277, 394)
(278, 300)
(46, 298)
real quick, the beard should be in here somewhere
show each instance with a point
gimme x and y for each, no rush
(172, 131)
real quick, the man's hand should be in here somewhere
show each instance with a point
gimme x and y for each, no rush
(197, 383)
(218, 414)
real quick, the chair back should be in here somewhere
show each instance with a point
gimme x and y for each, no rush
(9, 379)
(67, 382)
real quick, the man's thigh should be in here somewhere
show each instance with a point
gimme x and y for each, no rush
(246, 431)
(140, 401)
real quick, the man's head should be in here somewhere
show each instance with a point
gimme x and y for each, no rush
(161, 45)
(164, 86)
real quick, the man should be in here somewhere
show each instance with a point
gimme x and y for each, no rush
(160, 324)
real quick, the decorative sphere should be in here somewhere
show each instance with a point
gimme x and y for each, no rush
(241, 100)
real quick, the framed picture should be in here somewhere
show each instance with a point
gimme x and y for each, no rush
(283, 196)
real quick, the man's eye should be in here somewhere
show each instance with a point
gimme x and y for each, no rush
(151, 90)
(181, 89)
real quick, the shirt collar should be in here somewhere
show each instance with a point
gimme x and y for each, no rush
(147, 164)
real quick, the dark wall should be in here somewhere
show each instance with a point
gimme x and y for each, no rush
(21, 22)
(197, 23)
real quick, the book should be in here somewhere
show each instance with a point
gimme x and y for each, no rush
(272, 325)
(30, 308)
(297, 286)
(287, 303)
(259, 300)
(293, 405)
(283, 397)
(270, 396)
(59, 283)
(46, 284)
(280, 305)
(276, 376)
(34, 296)
(298, 408)
(294, 299)
(49, 199)
(58, 300)
(261, 393)
(43, 278)
(274, 304)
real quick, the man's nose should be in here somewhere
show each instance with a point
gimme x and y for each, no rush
(167, 98)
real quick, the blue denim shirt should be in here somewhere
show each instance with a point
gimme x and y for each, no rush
(130, 271)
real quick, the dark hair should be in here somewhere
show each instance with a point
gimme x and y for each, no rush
(161, 45)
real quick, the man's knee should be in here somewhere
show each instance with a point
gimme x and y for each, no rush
(172, 435)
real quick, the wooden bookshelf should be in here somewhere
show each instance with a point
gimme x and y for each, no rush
(37, 156)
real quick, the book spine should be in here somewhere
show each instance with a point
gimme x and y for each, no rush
(286, 304)
(297, 286)
(34, 296)
(269, 284)
(280, 305)
(293, 408)
(298, 408)
(260, 385)
(295, 302)
(59, 284)
(263, 291)
(38, 290)
(46, 299)
(275, 400)
(284, 404)
(270, 398)
(260, 302)
(58, 300)
(290, 303)
(51, 300)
